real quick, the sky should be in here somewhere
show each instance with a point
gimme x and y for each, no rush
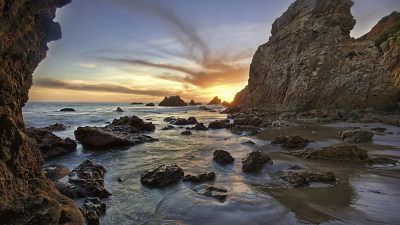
(143, 50)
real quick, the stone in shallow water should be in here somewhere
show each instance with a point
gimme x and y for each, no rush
(162, 175)
(223, 157)
(56, 127)
(55, 171)
(206, 176)
(212, 191)
(291, 141)
(304, 178)
(254, 161)
(346, 153)
(356, 136)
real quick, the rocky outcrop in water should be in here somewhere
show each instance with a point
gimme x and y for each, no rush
(303, 178)
(223, 157)
(220, 124)
(290, 141)
(310, 61)
(172, 101)
(254, 161)
(206, 176)
(119, 109)
(51, 145)
(346, 153)
(67, 110)
(26, 195)
(162, 175)
(356, 136)
(215, 101)
(56, 127)
(56, 172)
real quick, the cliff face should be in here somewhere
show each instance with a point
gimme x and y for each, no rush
(26, 196)
(384, 29)
(312, 62)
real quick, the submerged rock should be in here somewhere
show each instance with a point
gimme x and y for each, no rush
(56, 127)
(51, 145)
(89, 177)
(162, 175)
(169, 127)
(223, 157)
(304, 178)
(346, 153)
(381, 160)
(291, 141)
(206, 176)
(186, 132)
(67, 110)
(254, 161)
(150, 104)
(172, 101)
(200, 126)
(356, 136)
(55, 171)
(220, 124)
(248, 142)
(212, 191)
(136, 103)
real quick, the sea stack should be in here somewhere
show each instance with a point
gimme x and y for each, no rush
(311, 62)
(172, 101)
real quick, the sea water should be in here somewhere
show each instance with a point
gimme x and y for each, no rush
(362, 194)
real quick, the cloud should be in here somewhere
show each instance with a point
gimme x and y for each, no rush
(215, 66)
(79, 85)
(87, 65)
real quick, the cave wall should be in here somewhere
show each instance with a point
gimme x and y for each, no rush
(26, 196)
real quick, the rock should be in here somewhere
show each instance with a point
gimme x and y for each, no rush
(136, 103)
(238, 129)
(89, 177)
(67, 110)
(70, 190)
(381, 160)
(248, 142)
(302, 68)
(247, 119)
(226, 104)
(212, 191)
(220, 124)
(241, 97)
(379, 130)
(206, 176)
(169, 119)
(120, 179)
(26, 196)
(254, 161)
(200, 126)
(215, 101)
(169, 127)
(55, 171)
(294, 167)
(92, 209)
(291, 141)
(304, 178)
(192, 102)
(356, 136)
(98, 138)
(223, 157)
(182, 121)
(172, 101)
(56, 127)
(186, 132)
(346, 153)
(162, 175)
(150, 104)
(119, 109)
(51, 145)
(131, 124)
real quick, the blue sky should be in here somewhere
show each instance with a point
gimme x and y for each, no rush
(131, 50)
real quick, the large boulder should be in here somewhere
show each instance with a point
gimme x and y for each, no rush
(254, 161)
(106, 138)
(162, 175)
(356, 136)
(51, 145)
(172, 101)
(346, 153)
(310, 61)
(220, 124)
(131, 124)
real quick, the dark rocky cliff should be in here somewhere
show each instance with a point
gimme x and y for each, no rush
(311, 62)
(26, 196)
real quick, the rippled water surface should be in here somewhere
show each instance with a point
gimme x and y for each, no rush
(362, 195)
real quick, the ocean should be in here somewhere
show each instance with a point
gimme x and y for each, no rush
(257, 198)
